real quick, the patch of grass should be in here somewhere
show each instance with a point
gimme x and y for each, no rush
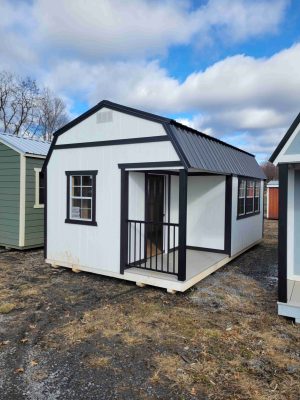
(30, 292)
(6, 308)
(98, 361)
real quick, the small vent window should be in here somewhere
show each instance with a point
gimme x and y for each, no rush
(104, 116)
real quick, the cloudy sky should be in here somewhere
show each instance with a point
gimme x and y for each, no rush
(230, 68)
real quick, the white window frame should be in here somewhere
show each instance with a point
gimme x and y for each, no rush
(257, 185)
(242, 197)
(82, 221)
(252, 183)
(37, 203)
(81, 197)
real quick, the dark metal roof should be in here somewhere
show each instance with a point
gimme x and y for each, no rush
(212, 155)
(195, 149)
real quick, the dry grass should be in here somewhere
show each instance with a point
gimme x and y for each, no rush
(6, 308)
(221, 340)
(30, 292)
(98, 361)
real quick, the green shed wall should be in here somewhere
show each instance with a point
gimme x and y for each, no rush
(34, 217)
(9, 196)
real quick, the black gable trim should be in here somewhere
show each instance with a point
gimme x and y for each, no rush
(176, 133)
(115, 107)
(285, 138)
(96, 108)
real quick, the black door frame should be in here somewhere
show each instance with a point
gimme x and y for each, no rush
(183, 180)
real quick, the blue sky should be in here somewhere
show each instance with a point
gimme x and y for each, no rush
(227, 67)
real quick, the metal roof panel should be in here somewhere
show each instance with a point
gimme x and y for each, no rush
(26, 145)
(212, 155)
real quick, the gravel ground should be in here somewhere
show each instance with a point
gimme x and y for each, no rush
(82, 336)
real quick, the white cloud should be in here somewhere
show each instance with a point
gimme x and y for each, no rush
(105, 48)
(101, 29)
(237, 96)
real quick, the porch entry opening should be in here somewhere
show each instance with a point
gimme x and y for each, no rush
(154, 212)
(153, 242)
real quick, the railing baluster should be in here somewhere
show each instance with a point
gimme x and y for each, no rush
(168, 248)
(162, 250)
(150, 232)
(129, 226)
(150, 251)
(174, 236)
(134, 260)
(140, 243)
(156, 245)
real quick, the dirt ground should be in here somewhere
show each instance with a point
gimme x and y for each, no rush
(82, 336)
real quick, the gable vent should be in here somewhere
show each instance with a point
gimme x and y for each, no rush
(104, 116)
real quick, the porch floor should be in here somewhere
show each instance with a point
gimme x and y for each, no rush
(197, 262)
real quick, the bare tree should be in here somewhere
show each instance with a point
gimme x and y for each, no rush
(52, 114)
(27, 110)
(270, 170)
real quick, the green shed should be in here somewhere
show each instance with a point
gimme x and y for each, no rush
(21, 191)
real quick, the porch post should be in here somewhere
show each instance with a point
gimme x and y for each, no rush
(282, 233)
(123, 220)
(183, 180)
(228, 214)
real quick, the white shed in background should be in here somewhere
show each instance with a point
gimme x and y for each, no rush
(141, 197)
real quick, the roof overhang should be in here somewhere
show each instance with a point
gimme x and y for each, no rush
(283, 144)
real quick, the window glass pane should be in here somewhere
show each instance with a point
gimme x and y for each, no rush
(86, 203)
(250, 188)
(249, 205)
(75, 208)
(257, 196)
(86, 213)
(76, 202)
(241, 206)
(76, 191)
(76, 180)
(242, 188)
(86, 192)
(41, 188)
(86, 180)
(257, 189)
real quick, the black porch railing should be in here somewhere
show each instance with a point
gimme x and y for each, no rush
(152, 246)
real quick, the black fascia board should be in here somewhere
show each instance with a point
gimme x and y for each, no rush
(285, 138)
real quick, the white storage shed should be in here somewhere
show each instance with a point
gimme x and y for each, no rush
(287, 158)
(136, 196)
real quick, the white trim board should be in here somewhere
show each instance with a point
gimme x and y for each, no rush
(289, 310)
(30, 155)
(37, 189)
(22, 199)
(290, 223)
(282, 157)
